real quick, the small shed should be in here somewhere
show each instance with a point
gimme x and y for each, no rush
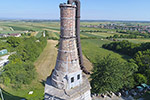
(3, 52)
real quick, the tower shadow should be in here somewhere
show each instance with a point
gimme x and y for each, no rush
(43, 82)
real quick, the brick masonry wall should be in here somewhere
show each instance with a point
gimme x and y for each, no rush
(67, 58)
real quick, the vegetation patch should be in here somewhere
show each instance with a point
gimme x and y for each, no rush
(93, 47)
(21, 70)
(140, 54)
(111, 74)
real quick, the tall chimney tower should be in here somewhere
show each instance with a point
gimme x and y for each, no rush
(67, 81)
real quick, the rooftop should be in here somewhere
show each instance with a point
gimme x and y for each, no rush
(51, 91)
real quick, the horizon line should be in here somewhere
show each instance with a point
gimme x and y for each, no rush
(107, 20)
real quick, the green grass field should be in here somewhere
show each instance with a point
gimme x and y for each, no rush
(13, 94)
(39, 34)
(6, 32)
(96, 29)
(53, 34)
(137, 40)
(92, 50)
(24, 26)
(103, 35)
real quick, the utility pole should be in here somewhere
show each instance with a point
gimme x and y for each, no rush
(1, 94)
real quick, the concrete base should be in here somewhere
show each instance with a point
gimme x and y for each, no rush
(81, 92)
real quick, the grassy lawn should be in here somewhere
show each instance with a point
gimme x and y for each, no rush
(6, 32)
(53, 34)
(13, 94)
(39, 34)
(92, 48)
(84, 34)
(24, 26)
(4, 28)
(137, 40)
(34, 33)
(104, 35)
(97, 29)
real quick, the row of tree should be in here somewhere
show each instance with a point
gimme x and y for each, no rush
(111, 74)
(131, 36)
(140, 54)
(20, 69)
(145, 35)
(93, 31)
(126, 47)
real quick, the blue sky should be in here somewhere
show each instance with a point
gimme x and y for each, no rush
(90, 9)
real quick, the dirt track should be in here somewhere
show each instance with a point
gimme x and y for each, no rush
(46, 62)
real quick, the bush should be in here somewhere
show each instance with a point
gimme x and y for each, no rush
(147, 73)
(142, 58)
(18, 73)
(110, 74)
(14, 41)
(124, 47)
(6, 81)
(29, 49)
(139, 79)
(21, 70)
(140, 54)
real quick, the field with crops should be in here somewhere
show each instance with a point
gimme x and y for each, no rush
(137, 40)
(91, 46)
(36, 28)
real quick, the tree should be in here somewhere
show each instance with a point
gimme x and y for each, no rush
(116, 36)
(142, 59)
(139, 78)
(147, 73)
(14, 41)
(18, 73)
(110, 74)
(124, 47)
(20, 69)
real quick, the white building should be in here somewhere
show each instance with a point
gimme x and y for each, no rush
(3, 61)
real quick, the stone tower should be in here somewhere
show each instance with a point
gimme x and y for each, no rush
(67, 73)
(67, 81)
